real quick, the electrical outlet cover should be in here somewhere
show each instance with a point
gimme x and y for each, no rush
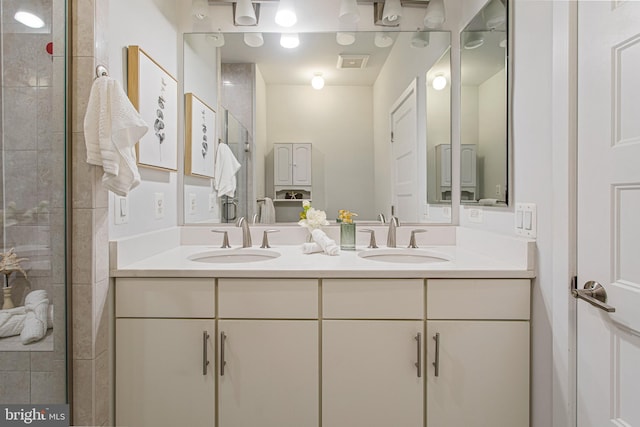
(192, 203)
(158, 205)
(475, 215)
(212, 202)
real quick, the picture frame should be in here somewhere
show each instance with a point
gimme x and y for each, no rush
(200, 137)
(154, 93)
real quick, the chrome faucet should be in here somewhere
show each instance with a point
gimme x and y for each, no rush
(381, 218)
(246, 233)
(391, 234)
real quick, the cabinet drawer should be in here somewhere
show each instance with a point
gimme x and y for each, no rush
(478, 299)
(373, 298)
(268, 298)
(165, 297)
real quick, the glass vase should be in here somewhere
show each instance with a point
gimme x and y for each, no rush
(347, 236)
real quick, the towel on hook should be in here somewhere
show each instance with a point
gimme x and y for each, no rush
(224, 173)
(36, 304)
(112, 127)
(267, 212)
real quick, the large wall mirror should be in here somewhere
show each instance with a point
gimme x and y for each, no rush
(484, 112)
(331, 145)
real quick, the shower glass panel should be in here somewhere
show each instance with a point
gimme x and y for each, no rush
(236, 136)
(33, 340)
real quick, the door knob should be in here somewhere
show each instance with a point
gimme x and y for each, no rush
(595, 294)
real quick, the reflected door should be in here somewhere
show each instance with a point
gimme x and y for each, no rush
(608, 343)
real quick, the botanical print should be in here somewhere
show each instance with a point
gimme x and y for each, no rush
(200, 135)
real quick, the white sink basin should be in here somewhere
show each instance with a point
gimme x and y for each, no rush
(404, 256)
(226, 256)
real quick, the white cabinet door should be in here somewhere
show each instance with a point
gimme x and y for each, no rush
(282, 161)
(369, 374)
(292, 164)
(483, 373)
(160, 372)
(270, 376)
(468, 163)
(301, 164)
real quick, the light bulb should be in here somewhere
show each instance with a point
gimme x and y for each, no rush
(317, 82)
(286, 14)
(382, 39)
(439, 82)
(392, 12)
(349, 12)
(345, 39)
(420, 39)
(253, 39)
(245, 14)
(435, 15)
(289, 40)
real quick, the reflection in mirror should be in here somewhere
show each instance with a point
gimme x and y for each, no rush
(330, 146)
(438, 87)
(484, 145)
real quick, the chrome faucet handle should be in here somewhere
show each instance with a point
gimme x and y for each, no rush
(225, 238)
(265, 239)
(412, 240)
(255, 218)
(382, 218)
(246, 233)
(372, 239)
(391, 234)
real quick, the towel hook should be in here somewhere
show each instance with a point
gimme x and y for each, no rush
(101, 71)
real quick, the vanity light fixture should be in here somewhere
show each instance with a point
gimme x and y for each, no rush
(435, 16)
(349, 12)
(382, 39)
(317, 82)
(420, 39)
(28, 19)
(286, 14)
(494, 14)
(253, 39)
(472, 40)
(345, 39)
(200, 8)
(392, 12)
(439, 82)
(244, 13)
(289, 40)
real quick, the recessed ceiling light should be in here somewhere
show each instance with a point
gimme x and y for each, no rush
(28, 19)
(289, 40)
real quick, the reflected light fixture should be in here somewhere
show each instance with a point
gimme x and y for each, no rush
(317, 82)
(494, 14)
(503, 42)
(289, 40)
(253, 39)
(349, 12)
(420, 39)
(28, 19)
(439, 82)
(286, 14)
(382, 39)
(245, 14)
(435, 15)
(473, 40)
(216, 39)
(200, 8)
(392, 12)
(345, 39)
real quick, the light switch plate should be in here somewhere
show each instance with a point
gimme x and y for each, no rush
(193, 206)
(121, 210)
(158, 205)
(525, 220)
(475, 215)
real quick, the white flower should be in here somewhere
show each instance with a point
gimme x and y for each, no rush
(315, 219)
(306, 204)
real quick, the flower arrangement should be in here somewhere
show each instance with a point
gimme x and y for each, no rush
(312, 218)
(346, 216)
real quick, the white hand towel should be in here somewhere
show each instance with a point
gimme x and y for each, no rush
(311, 248)
(267, 212)
(328, 245)
(225, 169)
(36, 305)
(112, 127)
(12, 321)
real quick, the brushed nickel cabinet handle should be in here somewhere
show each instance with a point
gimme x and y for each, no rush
(205, 358)
(223, 338)
(436, 363)
(418, 364)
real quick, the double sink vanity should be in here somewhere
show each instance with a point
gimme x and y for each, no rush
(437, 335)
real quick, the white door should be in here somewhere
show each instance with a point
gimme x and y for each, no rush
(608, 343)
(404, 156)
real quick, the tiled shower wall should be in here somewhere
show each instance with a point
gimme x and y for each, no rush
(32, 190)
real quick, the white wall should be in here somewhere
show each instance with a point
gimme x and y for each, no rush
(157, 35)
(337, 121)
(260, 138)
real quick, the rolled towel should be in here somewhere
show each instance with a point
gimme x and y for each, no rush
(311, 248)
(36, 305)
(12, 320)
(328, 245)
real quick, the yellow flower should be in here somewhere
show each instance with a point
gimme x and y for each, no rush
(346, 216)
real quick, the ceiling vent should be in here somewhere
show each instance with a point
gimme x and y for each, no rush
(347, 62)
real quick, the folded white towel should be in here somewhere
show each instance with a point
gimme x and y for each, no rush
(267, 212)
(112, 127)
(36, 305)
(12, 320)
(311, 248)
(328, 245)
(224, 173)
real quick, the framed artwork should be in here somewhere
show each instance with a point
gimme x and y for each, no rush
(200, 136)
(154, 93)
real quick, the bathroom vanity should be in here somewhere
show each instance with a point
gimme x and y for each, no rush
(314, 340)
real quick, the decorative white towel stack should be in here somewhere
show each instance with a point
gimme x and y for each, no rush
(311, 248)
(328, 245)
(267, 212)
(112, 127)
(224, 173)
(36, 305)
